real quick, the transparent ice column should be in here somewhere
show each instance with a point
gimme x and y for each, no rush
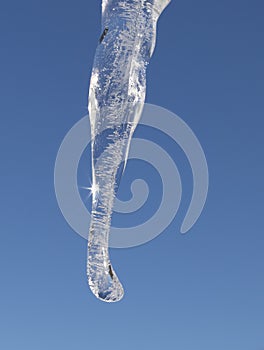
(116, 99)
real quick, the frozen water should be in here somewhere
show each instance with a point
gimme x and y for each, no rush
(116, 99)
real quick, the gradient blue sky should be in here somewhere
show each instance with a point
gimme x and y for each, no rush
(203, 290)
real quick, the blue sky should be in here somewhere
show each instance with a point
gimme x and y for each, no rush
(203, 290)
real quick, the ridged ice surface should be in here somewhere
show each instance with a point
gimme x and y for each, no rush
(116, 99)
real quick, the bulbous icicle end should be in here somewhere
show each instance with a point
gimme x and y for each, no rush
(106, 287)
(104, 283)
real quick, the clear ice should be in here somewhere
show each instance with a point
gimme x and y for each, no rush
(116, 99)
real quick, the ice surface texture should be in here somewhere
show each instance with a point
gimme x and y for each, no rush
(116, 99)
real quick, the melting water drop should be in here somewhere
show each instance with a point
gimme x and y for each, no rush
(116, 99)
